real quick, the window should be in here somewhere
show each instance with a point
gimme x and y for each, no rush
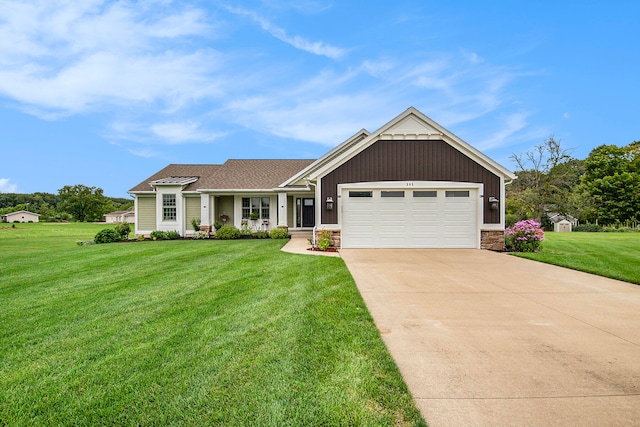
(265, 208)
(392, 193)
(169, 207)
(246, 207)
(260, 205)
(423, 193)
(360, 194)
(458, 193)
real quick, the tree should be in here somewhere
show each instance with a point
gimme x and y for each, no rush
(84, 203)
(547, 175)
(612, 179)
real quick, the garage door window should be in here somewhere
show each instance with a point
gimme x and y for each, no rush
(360, 193)
(457, 193)
(392, 194)
(425, 193)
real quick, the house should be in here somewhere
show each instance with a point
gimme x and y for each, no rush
(555, 218)
(120, 216)
(21, 216)
(411, 183)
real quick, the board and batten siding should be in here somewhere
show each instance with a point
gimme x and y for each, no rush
(146, 212)
(410, 160)
(192, 210)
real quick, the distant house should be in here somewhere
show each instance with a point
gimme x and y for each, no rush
(21, 216)
(556, 217)
(120, 216)
(411, 183)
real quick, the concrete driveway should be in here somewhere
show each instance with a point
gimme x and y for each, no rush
(488, 339)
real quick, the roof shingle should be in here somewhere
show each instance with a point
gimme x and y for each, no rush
(234, 174)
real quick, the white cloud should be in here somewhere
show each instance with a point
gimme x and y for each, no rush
(61, 57)
(181, 132)
(330, 106)
(509, 126)
(328, 120)
(315, 47)
(7, 187)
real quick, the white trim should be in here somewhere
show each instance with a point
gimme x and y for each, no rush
(303, 174)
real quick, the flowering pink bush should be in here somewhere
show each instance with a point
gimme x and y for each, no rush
(524, 236)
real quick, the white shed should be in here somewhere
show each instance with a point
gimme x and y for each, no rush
(562, 226)
(21, 216)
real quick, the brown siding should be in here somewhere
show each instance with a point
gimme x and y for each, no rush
(410, 161)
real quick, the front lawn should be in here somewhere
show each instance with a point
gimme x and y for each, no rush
(614, 255)
(224, 333)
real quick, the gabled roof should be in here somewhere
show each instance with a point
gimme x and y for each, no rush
(176, 170)
(234, 174)
(21, 212)
(411, 124)
(115, 213)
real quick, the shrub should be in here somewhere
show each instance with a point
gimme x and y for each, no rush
(195, 223)
(217, 225)
(123, 229)
(261, 235)
(524, 236)
(172, 235)
(165, 235)
(157, 235)
(108, 235)
(589, 228)
(324, 241)
(279, 233)
(200, 235)
(227, 232)
(85, 242)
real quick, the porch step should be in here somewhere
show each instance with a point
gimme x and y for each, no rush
(302, 234)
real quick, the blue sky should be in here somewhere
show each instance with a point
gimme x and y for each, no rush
(106, 93)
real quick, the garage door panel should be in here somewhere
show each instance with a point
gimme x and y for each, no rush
(423, 218)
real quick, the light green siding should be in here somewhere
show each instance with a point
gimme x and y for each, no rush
(192, 210)
(224, 206)
(146, 212)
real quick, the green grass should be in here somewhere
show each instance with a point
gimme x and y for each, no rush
(224, 333)
(614, 255)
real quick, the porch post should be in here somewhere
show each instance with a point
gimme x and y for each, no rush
(282, 210)
(205, 211)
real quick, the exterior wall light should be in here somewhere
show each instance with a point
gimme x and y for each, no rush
(494, 203)
(329, 203)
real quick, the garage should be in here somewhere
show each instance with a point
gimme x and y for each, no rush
(409, 217)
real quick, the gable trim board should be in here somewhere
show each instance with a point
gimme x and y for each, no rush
(410, 155)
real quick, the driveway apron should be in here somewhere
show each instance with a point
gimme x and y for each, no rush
(488, 339)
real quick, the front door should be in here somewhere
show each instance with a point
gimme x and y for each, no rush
(308, 212)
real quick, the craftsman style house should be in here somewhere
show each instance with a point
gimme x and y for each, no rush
(410, 183)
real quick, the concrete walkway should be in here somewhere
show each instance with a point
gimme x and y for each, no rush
(300, 245)
(488, 339)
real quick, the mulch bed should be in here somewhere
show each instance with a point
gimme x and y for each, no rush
(328, 249)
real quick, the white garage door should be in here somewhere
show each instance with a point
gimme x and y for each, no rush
(414, 218)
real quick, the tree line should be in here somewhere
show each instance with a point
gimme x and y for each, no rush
(602, 189)
(72, 203)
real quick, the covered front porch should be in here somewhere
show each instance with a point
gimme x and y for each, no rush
(259, 210)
